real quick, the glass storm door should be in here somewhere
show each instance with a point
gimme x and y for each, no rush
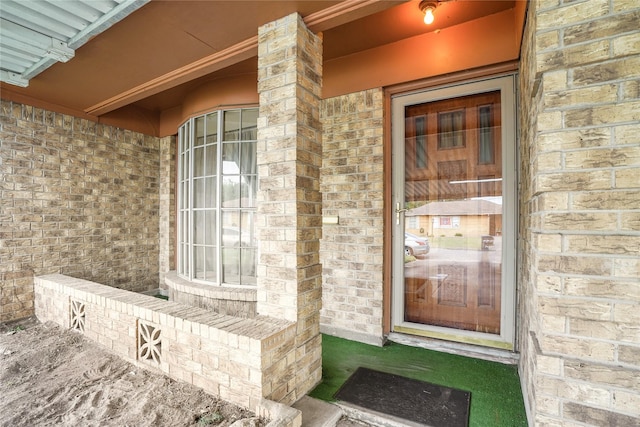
(454, 227)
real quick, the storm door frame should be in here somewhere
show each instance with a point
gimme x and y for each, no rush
(506, 83)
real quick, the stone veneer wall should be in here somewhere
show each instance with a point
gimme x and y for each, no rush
(237, 359)
(352, 189)
(579, 249)
(78, 198)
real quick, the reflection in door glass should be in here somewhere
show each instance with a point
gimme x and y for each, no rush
(453, 222)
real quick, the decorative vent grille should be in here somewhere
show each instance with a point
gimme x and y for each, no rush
(149, 343)
(77, 315)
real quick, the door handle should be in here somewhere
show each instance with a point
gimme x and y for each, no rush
(398, 212)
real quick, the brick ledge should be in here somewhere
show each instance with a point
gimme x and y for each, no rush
(178, 284)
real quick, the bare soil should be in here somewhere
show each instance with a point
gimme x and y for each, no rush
(55, 377)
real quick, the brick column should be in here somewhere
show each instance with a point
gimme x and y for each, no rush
(289, 201)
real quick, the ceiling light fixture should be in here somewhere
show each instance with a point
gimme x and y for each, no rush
(428, 7)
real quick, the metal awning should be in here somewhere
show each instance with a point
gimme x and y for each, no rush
(35, 34)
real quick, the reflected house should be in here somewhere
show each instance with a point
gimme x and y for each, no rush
(237, 206)
(472, 217)
(234, 218)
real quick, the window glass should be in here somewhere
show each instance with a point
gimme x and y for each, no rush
(248, 228)
(485, 134)
(212, 128)
(249, 125)
(211, 160)
(231, 192)
(421, 143)
(248, 158)
(248, 265)
(198, 193)
(232, 125)
(198, 161)
(231, 158)
(199, 227)
(211, 192)
(211, 266)
(198, 262)
(451, 129)
(199, 136)
(231, 265)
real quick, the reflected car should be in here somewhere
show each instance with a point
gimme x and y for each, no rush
(415, 245)
(487, 242)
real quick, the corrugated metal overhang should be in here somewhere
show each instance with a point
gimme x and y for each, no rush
(35, 34)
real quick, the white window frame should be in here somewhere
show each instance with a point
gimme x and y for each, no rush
(185, 260)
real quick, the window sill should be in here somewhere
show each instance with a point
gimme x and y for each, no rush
(240, 302)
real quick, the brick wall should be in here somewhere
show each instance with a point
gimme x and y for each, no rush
(528, 103)
(352, 190)
(167, 207)
(579, 277)
(76, 197)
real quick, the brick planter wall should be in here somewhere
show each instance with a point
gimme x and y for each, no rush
(239, 360)
(77, 198)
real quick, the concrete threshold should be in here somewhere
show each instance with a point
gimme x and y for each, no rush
(372, 418)
(318, 413)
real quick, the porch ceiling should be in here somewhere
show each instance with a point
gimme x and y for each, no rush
(148, 56)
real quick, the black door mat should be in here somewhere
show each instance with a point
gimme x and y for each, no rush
(419, 402)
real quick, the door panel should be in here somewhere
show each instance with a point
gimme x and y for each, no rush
(453, 197)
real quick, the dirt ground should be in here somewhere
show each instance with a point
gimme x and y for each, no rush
(55, 377)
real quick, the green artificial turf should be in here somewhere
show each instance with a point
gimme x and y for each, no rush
(496, 398)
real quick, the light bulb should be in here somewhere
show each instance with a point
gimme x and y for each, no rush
(428, 16)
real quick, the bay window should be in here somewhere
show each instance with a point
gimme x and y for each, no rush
(217, 184)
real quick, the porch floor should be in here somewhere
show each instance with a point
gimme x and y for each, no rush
(496, 397)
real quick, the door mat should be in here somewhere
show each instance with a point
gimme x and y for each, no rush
(419, 402)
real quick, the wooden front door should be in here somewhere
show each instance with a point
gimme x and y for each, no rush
(453, 198)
